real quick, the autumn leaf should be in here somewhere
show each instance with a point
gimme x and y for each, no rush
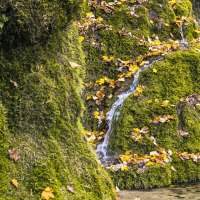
(125, 168)
(47, 193)
(88, 15)
(96, 114)
(162, 119)
(14, 83)
(81, 38)
(183, 133)
(165, 103)
(155, 70)
(15, 183)
(71, 189)
(99, 19)
(139, 90)
(101, 81)
(14, 154)
(108, 58)
(73, 64)
(89, 97)
(133, 68)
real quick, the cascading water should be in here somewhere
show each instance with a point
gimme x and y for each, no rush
(184, 43)
(112, 115)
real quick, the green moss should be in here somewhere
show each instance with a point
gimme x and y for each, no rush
(177, 76)
(4, 144)
(44, 114)
(184, 8)
(143, 180)
(34, 21)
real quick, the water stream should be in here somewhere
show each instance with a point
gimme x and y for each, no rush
(171, 193)
(183, 41)
(112, 115)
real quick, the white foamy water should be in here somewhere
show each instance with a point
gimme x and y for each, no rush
(184, 42)
(113, 114)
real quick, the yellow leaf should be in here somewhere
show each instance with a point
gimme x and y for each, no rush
(169, 46)
(144, 63)
(89, 14)
(149, 163)
(100, 19)
(133, 68)
(47, 193)
(151, 21)
(129, 74)
(139, 90)
(125, 168)
(156, 42)
(125, 158)
(15, 183)
(81, 38)
(165, 103)
(96, 114)
(101, 81)
(89, 97)
(155, 70)
(105, 57)
(197, 31)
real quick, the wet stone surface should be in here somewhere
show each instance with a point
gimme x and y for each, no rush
(191, 192)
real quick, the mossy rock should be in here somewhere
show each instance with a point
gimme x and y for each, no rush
(177, 76)
(42, 96)
(150, 19)
(33, 21)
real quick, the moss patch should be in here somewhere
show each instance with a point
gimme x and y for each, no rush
(44, 111)
(177, 76)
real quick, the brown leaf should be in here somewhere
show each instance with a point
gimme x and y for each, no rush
(15, 183)
(71, 189)
(14, 154)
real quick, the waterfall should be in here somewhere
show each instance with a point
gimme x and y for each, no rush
(112, 115)
(184, 43)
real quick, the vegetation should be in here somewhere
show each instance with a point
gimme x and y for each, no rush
(63, 64)
(149, 137)
(43, 151)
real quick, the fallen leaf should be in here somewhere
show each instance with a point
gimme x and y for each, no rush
(155, 70)
(96, 114)
(125, 168)
(172, 168)
(14, 154)
(183, 133)
(73, 64)
(71, 189)
(89, 15)
(14, 83)
(47, 193)
(165, 103)
(15, 183)
(81, 38)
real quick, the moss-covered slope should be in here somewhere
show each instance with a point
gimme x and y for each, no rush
(177, 77)
(40, 89)
(118, 35)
